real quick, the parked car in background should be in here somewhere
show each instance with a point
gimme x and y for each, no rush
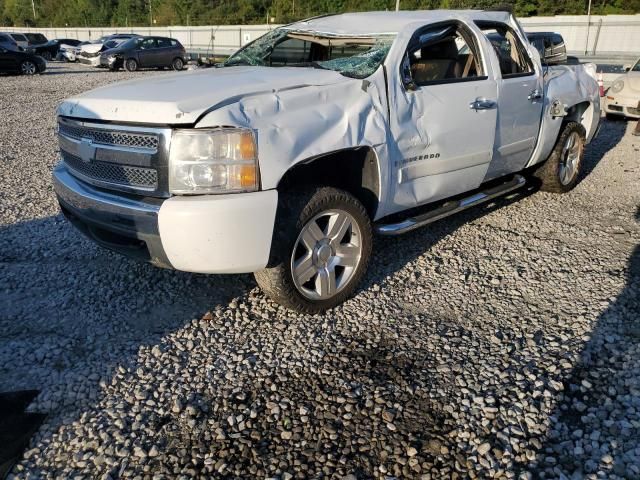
(145, 52)
(287, 158)
(6, 39)
(551, 47)
(69, 52)
(51, 49)
(20, 39)
(622, 99)
(36, 38)
(89, 54)
(13, 60)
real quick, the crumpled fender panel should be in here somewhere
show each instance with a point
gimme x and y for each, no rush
(300, 124)
(565, 87)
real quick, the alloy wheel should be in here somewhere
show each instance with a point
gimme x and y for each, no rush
(326, 254)
(28, 68)
(571, 155)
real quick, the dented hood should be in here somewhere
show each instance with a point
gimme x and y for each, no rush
(182, 98)
(92, 47)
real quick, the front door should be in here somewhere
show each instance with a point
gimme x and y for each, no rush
(519, 105)
(146, 52)
(445, 115)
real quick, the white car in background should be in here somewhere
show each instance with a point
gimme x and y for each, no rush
(623, 97)
(89, 54)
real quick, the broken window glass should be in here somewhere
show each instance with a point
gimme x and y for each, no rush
(356, 57)
(362, 64)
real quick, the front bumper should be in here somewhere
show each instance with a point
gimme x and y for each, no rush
(105, 63)
(93, 61)
(623, 106)
(205, 234)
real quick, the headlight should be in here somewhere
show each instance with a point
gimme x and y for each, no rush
(617, 86)
(219, 160)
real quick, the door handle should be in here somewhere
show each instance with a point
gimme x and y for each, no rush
(482, 104)
(535, 95)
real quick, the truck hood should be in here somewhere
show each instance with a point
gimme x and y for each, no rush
(182, 98)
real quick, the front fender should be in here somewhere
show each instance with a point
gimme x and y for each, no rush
(309, 121)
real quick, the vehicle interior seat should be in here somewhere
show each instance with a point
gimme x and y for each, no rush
(438, 61)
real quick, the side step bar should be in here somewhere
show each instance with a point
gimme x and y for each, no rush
(450, 208)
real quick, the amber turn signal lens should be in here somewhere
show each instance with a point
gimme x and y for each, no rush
(247, 146)
(248, 176)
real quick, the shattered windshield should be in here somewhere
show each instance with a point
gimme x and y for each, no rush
(356, 57)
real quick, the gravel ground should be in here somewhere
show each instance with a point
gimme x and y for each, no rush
(500, 343)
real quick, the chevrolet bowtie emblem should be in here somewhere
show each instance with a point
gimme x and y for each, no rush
(86, 150)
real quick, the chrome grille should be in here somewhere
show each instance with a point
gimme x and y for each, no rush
(145, 178)
(147, 141)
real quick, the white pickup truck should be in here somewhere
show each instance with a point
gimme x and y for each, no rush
(286, 159)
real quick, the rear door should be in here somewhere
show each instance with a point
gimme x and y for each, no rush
(520, 100)
(444, 115)
(164, 54)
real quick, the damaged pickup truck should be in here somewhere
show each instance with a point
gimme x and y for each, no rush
(289, 157)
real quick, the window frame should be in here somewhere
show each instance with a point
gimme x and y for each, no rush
(489, 24)
(153, 39)
(163, 39)
(472, 44)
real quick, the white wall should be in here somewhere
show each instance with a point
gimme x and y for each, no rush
(608, 35)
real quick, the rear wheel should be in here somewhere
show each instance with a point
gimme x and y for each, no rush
(561, 171)
(321, 248)
(131, 65)
(177, 64)
(28, 68)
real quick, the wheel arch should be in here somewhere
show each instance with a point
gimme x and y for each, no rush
(355, 170)
(581, 113)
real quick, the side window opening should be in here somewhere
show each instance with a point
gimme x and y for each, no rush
(443, 55)
(513, 58)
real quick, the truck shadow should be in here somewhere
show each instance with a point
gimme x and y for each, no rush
(70, 307)
(592, 428)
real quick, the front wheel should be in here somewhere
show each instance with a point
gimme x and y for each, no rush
(131, 65)
(561, 171)
(28, 68)
(321, 248)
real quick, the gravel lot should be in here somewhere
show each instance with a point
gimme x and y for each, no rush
(500, 343)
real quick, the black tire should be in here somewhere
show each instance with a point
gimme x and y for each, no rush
(28, 68)
(131, 65)
(295, 212)
(555, 174)
(177, 64)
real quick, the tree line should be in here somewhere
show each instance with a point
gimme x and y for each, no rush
(134, 13)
